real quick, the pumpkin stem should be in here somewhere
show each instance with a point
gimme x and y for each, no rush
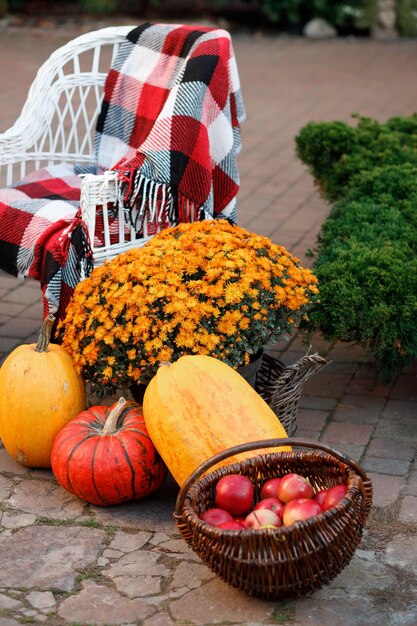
(45, 334)
(112, 417)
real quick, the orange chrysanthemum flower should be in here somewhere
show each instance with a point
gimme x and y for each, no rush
(203, 288)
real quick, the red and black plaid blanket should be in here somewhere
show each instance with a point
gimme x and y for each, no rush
(42, 235)
(170, 123)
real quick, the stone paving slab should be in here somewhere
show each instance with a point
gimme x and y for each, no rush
(67, 563)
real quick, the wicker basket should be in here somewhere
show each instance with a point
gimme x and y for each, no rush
(281, 386)
(292, 560)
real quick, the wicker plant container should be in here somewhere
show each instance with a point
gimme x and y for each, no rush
(281, 386)
(292, 560)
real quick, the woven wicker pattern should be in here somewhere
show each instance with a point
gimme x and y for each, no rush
(281, 386)
(57, 124)
(58, 120)
(288, 561)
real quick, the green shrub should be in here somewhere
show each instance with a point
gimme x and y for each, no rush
(299, 12)
(366, 263)
(393, 187)
(407, 17)
(335, 152)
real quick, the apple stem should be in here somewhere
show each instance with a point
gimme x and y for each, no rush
(257, 518)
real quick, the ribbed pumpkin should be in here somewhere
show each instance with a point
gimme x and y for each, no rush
(40, 392)
(199, 406)
(105, 456)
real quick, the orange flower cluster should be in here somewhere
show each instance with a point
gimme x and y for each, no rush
(203, 288)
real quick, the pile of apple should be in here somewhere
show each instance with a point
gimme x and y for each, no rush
(283, 501)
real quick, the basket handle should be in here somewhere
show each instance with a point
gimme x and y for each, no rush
(293, 377)
(255, 445)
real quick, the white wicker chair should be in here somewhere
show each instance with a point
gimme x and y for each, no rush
(57, 124)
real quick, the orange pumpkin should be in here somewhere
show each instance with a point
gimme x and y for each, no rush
(40, 392)
(199, 406)
(105, 455)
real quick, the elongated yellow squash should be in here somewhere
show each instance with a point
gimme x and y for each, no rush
(197, 407)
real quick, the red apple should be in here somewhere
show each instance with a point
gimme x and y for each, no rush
(300, 509)
(262, 518)
(320, 495)
(273, 504)
(299, 500)
(270, 488)
(234, 494)
(334, 495)
(294, 487)
(231, 525)
(215, 517)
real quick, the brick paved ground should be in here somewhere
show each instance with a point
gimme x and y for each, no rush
(65, 562)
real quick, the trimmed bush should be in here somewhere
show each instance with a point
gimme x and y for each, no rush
(335, 152)
(366, 255)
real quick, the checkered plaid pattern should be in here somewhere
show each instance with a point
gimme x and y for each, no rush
(42, 236)
(170, 123)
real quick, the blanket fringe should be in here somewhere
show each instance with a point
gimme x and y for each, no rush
(151, 202)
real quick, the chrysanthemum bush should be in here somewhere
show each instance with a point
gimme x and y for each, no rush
(203, 288)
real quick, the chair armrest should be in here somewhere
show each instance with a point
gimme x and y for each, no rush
(102, 195)
(97, 190)
(22, 138)
(13, 145)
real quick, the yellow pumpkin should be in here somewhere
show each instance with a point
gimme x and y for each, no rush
(39, 393)
(197, 407)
